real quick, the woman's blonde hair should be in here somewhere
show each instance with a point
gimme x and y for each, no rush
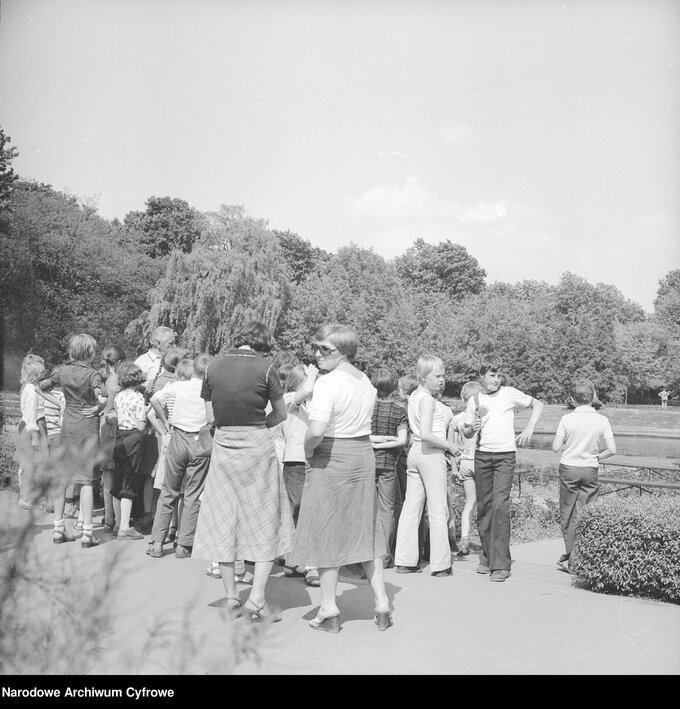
(426, 363)
(81, 348)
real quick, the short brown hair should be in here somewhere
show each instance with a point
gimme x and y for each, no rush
(385, 380)
(256, 335)
(582, 391)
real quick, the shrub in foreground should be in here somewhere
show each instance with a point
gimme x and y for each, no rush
(630, 547)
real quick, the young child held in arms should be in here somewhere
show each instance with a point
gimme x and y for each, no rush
(585, 438)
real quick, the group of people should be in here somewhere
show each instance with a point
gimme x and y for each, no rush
(257, 458)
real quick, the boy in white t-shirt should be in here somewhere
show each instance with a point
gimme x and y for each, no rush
(493, 412)
(586, 439)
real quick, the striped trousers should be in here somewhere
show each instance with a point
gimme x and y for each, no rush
(493, 480)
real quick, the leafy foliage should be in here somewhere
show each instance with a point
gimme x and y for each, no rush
(168, 224)
(236, 273)
(442, 268)
(7, 175)
(630, 546)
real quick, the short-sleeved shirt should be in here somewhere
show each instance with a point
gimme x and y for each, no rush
(584, 431)
(151, 364)
(187, 404)
(343, 402)
(54, 413)
(79, 382)
(28, 402)
(294, 429)
(388, 417)
(130, 409)
(239, 385)
(497, 410)
(468, 445)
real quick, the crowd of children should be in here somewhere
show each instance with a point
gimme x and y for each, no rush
(80, 424)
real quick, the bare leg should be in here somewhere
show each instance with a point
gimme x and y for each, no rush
(374, 574)
(328, 579)
(86, 504)
(228, 580)
(260, 577)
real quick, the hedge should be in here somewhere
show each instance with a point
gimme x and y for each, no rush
(630, 547)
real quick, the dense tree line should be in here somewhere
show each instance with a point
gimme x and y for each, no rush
(65, 269)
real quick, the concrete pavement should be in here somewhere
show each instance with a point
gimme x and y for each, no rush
(167, 618)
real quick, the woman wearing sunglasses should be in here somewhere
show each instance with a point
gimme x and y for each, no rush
(337, 519)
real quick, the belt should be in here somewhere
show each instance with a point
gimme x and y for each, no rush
(189, 433)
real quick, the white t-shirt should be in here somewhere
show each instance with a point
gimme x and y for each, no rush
(149, 363)
(294, 429)
(584, 432)
(345, 403)
(467, 445)
(442, 416)
(497, 410)
(29, 402)
(188, 413)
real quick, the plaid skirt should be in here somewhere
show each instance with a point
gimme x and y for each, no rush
(245, 512)
(337, 520)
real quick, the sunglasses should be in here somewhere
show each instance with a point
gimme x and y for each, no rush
(323, 349)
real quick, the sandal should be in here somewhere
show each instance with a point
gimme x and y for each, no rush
(259, 614)
(59, 536)
(233, 605)
(78, 525)
(312, 578)
(214, 571)
(330, 623)
(246, 577)
(293, 571)
(89, 540)
(383, 619)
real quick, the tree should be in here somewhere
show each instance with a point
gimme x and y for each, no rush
(168, 224)
(300, 256)
(441, 268)
(64, 270)
(7, 175)
(359, 289)
(236, 273)
(667, 302)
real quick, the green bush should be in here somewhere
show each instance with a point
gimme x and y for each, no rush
(630, 547)
(8, 466)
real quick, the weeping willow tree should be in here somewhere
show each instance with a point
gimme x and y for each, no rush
(235, 273)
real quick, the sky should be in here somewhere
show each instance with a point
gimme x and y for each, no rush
(542, 136)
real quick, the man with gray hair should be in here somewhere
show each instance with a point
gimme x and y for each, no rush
(151, 362)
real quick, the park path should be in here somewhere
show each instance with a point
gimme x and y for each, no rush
(167, 619)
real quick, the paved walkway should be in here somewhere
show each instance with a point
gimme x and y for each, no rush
(167, 618)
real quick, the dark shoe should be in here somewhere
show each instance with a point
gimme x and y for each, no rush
(155, 550)
(500, 575)
(331, 623)
(293, 571)
(383, 620)
(408, 570)
(60, 536)
(442, 572)
(127, 534)
(563, 558)
(182, 552)
(89, 540)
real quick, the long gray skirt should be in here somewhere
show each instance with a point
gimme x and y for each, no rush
(245, 512)
(337, 521)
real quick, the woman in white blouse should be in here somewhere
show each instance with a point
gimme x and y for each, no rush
(337, 521)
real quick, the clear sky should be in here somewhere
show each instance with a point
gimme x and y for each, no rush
(543, 136)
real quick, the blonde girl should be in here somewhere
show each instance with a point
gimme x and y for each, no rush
(430, 422)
